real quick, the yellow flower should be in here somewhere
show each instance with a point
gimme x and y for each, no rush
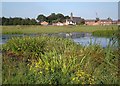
(36, 66)
(73, 79)
(40, 72)
(46, 68)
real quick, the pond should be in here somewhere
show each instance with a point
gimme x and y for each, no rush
(81, 38)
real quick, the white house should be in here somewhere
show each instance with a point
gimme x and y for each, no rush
(73, 20)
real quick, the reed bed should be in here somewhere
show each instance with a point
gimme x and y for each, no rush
(53, 60)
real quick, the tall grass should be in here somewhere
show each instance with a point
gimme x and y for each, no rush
(53, 60)
(105, 33)
(54, 29)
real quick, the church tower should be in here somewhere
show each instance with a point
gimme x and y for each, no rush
(71, 16)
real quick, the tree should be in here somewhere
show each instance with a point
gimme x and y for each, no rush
(67, 17)
(97, 19)
(33, 22)
(18, 21)
(10, 21)
(51, 18)
(109, 19)
(0, 21)
(41, 18)
(60, 17)
(82, 21)
(5, 21)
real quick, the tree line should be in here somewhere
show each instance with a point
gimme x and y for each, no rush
(52, 18)
(18, 21)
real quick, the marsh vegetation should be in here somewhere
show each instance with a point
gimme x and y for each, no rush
(55, 60)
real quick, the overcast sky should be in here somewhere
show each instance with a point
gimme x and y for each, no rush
(87, 10)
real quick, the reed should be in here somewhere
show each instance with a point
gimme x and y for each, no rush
(54, 60)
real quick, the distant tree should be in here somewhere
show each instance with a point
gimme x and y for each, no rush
(51, 18)
(67, 17)
(109, 18)
(41, 18)
(55, 21)
(33, 22)
(0, 21)
(6, 21)
(60, 17)
(97, 19)
(18, 21)
(15, 21)
(10, 21)
(82, 21)
(3, 20)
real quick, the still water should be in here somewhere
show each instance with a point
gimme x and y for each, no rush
(81, 38)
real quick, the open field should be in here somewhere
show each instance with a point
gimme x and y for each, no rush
(52, 60)
(55, 29)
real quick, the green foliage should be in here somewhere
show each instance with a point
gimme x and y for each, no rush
(41, 18)
(97, 19)
(18, 21)
(105, 33)
(52, 18)
(52, 60)
(54, 69)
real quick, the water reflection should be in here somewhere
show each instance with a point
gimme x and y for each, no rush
(85, 41)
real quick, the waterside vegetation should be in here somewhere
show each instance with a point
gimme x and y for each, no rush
(53, 60)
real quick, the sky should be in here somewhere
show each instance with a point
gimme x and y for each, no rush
(86, 10)
(59, 0)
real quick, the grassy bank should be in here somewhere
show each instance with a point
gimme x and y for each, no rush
(105, 33)
(54, 29)
(52, 60)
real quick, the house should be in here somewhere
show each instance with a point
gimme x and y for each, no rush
(100, 22)
(58, 24)
(105, 22)
(44, 23)
(92, 22)
(114, 22)
(73, 20)
(89, 22)
(118, 22)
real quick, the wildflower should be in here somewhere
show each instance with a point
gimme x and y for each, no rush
(73, 79)
(40, 72)
(46, 68)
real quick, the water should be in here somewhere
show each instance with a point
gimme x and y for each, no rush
(81, 38)
(85, 41)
